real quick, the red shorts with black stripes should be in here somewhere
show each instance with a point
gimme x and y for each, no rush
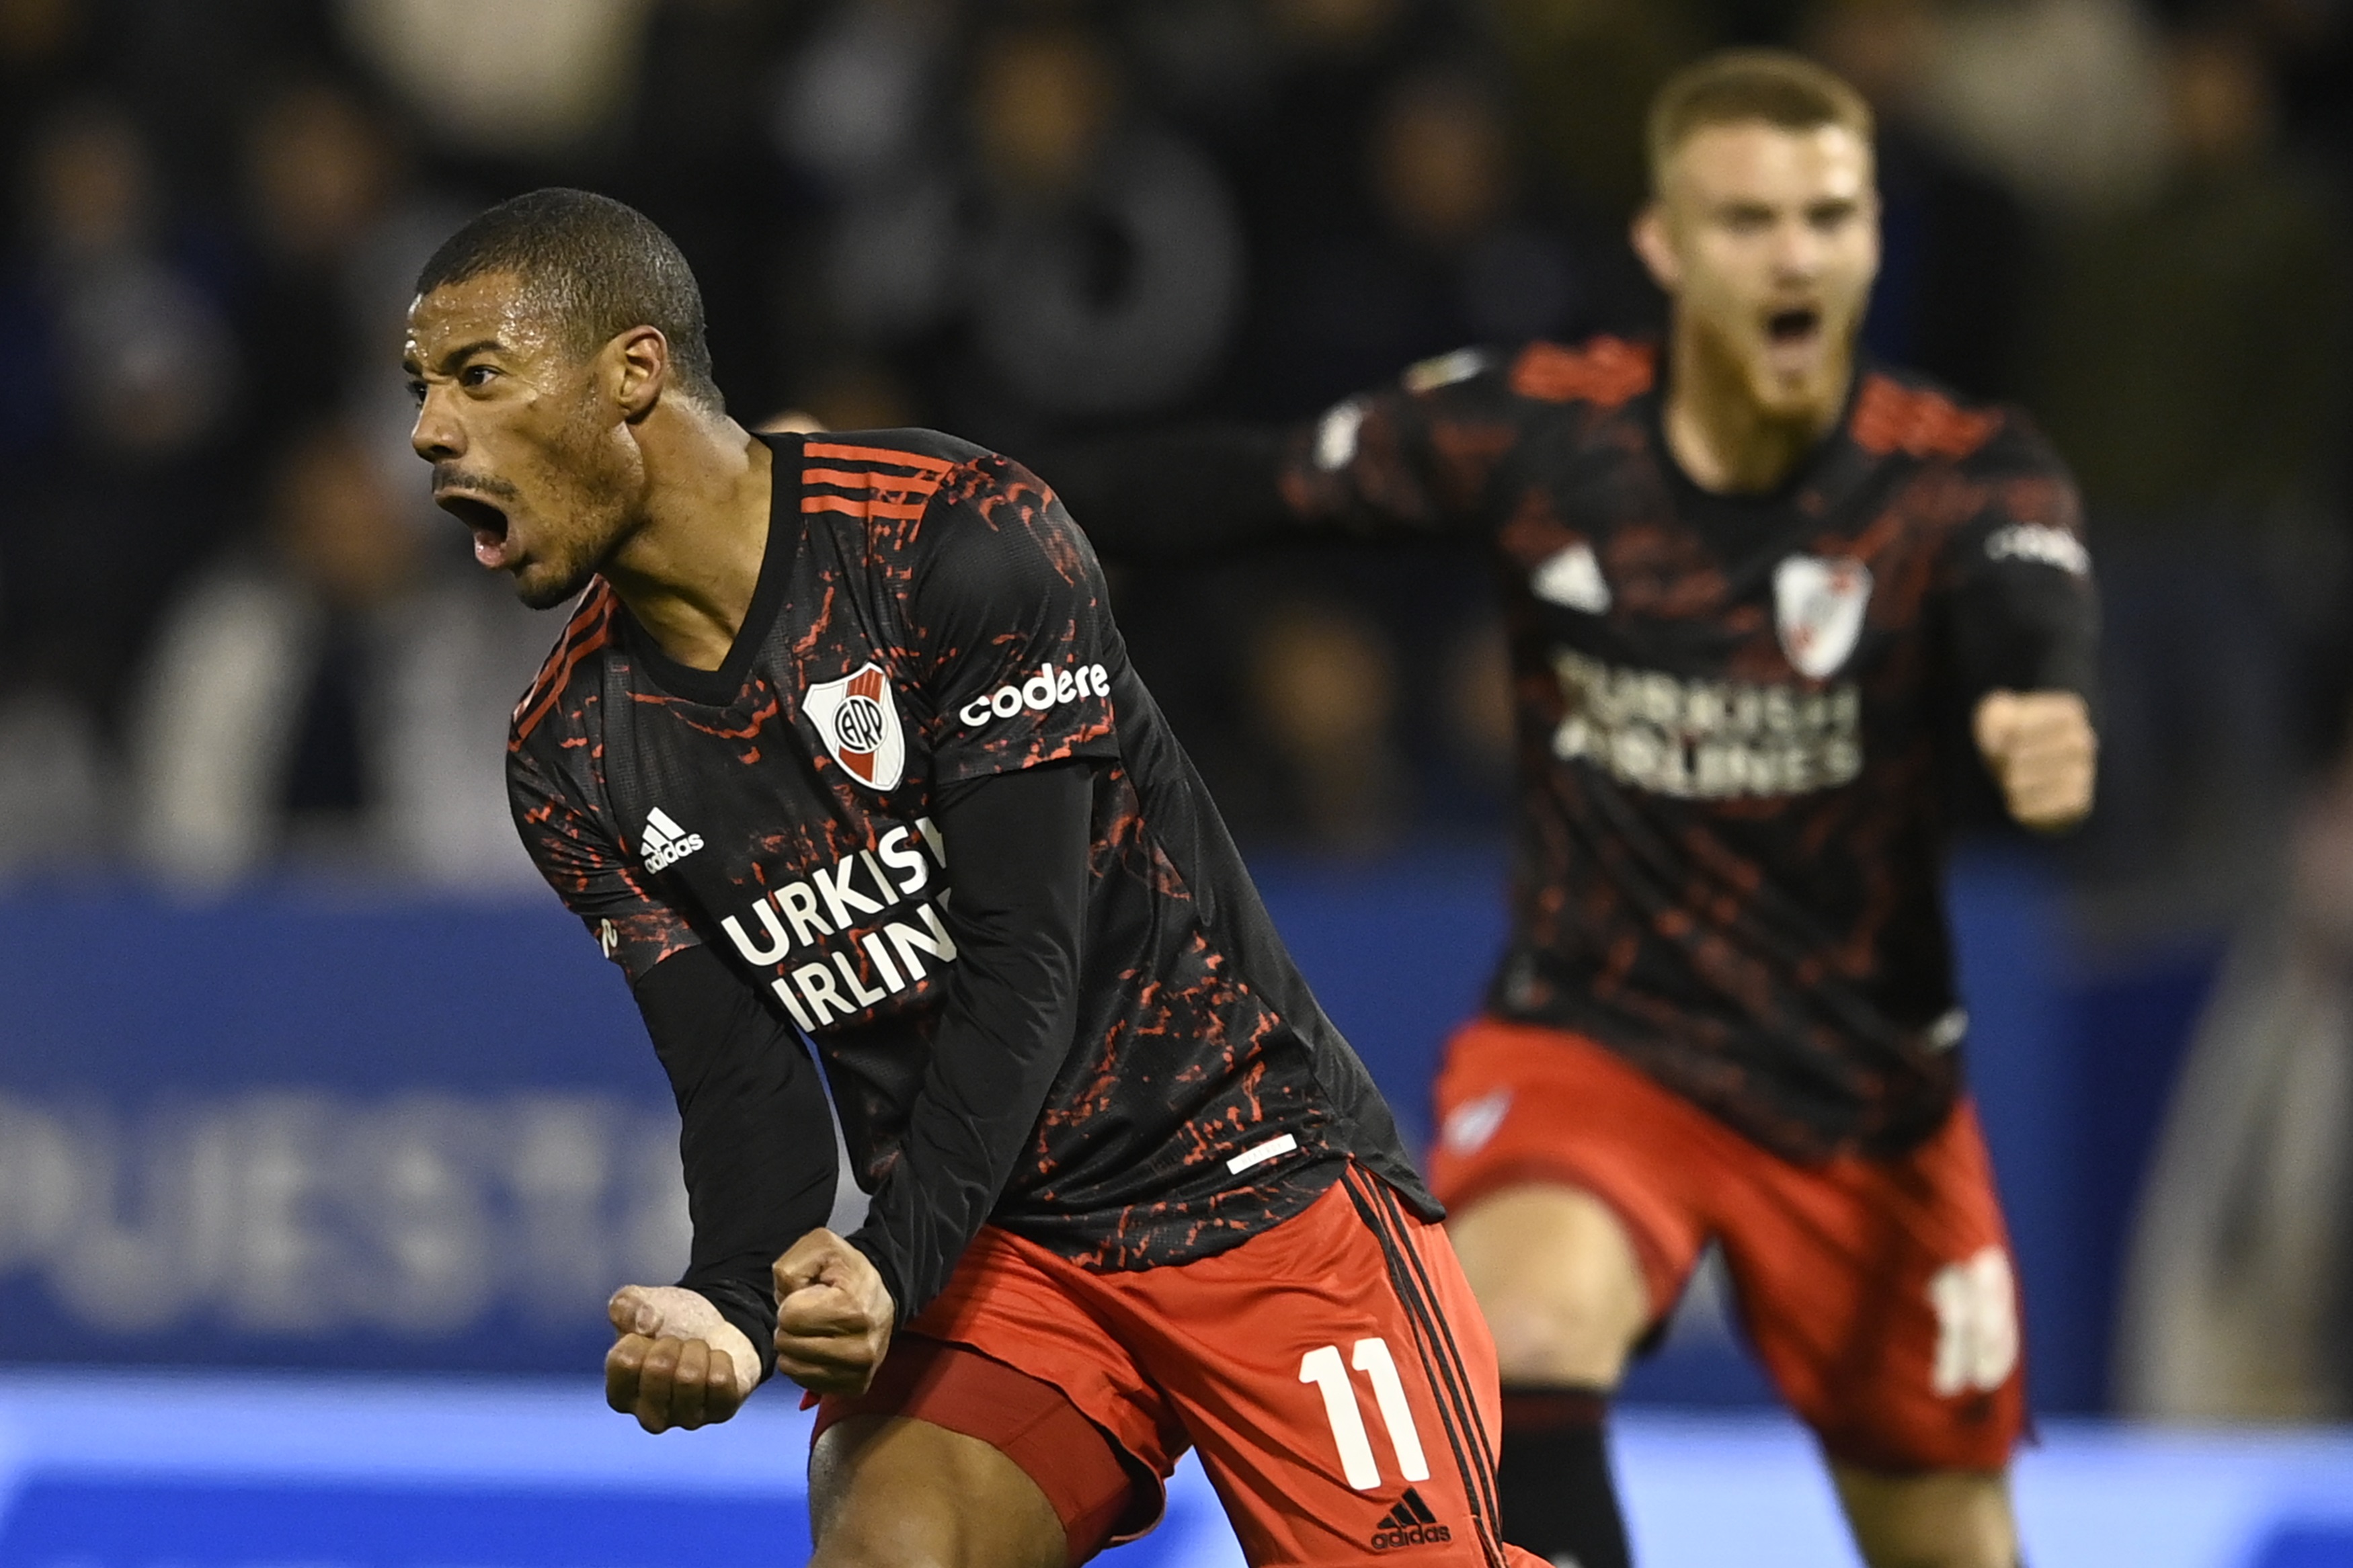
(1877, 1292)
(1334, 1372)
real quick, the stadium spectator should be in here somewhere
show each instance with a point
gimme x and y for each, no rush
(2061, 100)
(323, 697)
(320, 176)
(849, 115)
(335, 222)
(127, 375)
(528, 80)
(1372, 179)
(1052, 255)
(699, 159)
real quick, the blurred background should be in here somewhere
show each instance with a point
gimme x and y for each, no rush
(300, 1068)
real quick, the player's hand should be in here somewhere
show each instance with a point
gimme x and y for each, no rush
(2040, 748)
(834, 1315)
(676, 1361)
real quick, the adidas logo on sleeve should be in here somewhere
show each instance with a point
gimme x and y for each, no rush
(1411, 1523)
(666, 843)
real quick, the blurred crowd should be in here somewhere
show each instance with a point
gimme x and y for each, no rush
(234, 640)
(231, 638)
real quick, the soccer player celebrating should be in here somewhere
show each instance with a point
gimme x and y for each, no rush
(1750, 585)
(841, 740)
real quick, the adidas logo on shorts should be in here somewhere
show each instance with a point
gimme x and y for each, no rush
(1411, 1523)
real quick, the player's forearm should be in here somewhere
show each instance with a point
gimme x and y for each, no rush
(1019, 843)
(755, 1136)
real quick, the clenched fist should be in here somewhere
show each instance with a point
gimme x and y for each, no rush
(834, 1315)
(676, 1361)
(2040, 748)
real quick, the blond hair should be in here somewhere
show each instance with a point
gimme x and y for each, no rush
(1774, 86)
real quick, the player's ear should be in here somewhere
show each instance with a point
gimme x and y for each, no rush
(637, 368)
(1656, 247)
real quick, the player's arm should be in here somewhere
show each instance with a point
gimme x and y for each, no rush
(1002, 586)
(1411, 459)
(1018, 845)
(756, 1135)
(2026, 624)
(755, 1142)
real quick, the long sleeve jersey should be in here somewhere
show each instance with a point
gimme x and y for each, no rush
(1728, 832)
(1153, 1086)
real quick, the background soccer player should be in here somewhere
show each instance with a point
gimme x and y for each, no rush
(1132, 1192)
(1751, 587)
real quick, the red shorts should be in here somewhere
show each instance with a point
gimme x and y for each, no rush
(1877, 1292)
(1334, 1372)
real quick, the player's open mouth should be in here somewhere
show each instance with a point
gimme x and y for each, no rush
(1793, 344)
(488, 522)
(1793, 328)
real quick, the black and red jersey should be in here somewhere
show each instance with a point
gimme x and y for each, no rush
(927, 614)
(1729, 709)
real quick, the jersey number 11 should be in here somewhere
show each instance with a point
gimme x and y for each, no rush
(1322, 1368)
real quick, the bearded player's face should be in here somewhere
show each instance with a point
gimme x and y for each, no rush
(1767, 239)
(528, 451)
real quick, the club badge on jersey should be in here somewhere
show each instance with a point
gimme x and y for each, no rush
(860, 723)
(1818, 607)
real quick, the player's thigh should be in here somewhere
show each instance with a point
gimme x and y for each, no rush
(887, 1491)
(1009, 1358)
(1880, 1296)
(1337, 1382)
(1576, 1184)
(1936, 1518)
(1558, 1280)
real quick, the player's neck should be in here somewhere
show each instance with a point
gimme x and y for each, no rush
(688, 571)
(1723, 438)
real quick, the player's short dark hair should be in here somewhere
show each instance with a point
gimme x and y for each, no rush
(1774, 86)
(600, 265)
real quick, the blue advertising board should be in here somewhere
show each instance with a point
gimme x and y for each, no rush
(308, 1127)
(301, 1127)
(304, 1129)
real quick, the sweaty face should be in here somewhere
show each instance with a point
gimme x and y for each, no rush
(1768, 238)
(526, 451)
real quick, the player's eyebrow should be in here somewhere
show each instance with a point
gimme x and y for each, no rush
(448, 362)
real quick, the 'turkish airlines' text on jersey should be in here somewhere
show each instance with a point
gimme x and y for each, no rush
(1729, 833)
(927, 614)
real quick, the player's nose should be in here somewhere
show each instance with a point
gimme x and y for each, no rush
(1797, 249)
(436, 435)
